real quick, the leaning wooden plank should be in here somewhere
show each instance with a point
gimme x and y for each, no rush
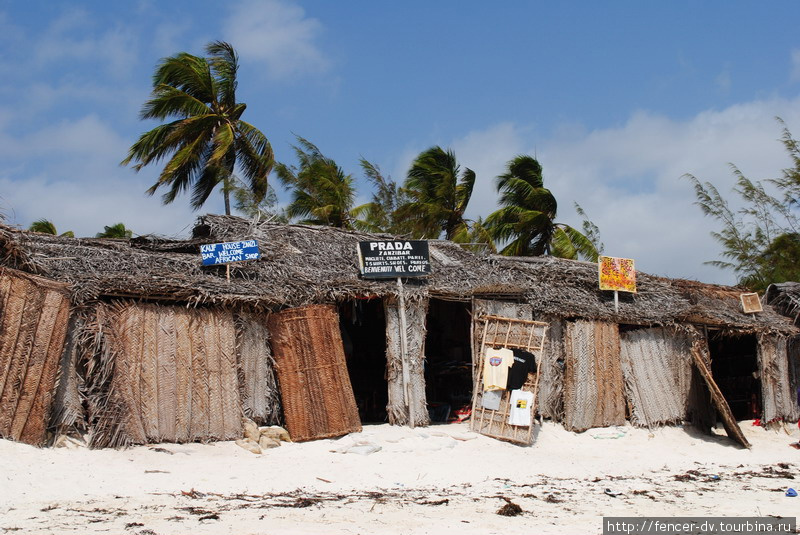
(700, 347)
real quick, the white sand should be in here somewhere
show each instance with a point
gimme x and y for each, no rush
(437, 480)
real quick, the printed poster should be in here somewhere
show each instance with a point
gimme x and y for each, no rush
(617, 274)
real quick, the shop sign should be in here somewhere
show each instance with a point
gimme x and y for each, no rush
(380, 259)
(229, 252)
(617, 274)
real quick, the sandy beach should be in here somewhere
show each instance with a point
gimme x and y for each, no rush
(437, 480)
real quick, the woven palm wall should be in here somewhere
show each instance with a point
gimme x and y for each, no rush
(34, 314)
(163, 374)
(318, 399)
(257, 382)
(778, 395)
(397, 408)
(593, 382)
(657, 366)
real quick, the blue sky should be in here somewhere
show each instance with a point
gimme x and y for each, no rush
(617, 100)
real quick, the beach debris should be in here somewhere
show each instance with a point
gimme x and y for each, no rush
(510, 508)
(791, 493)
(194, 494)
(612, 493)
(795, 445)
(609, 433)
(249, 445)
(69, 442)
(162, 450)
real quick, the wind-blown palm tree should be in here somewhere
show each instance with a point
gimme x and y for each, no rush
(45, 226)
(438, 194)
(526, 219)
(322, 194)
(117, 230)
(207, 139)
(381, 213)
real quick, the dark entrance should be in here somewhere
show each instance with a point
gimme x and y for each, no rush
(734, 365)
(448, 364)
(363, 327)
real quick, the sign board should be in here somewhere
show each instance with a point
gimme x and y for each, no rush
(751, 303)
(228, 252)
(391, 259)
(617, 274)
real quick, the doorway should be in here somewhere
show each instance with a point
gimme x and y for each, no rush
(363, 326)
(448, 360)
(734, 365)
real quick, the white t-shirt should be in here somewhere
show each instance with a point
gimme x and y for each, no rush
(521, 403)
(495, 368)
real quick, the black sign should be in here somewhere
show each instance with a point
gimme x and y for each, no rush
(392, 259)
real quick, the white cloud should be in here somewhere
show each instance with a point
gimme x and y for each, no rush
(69, 173)
(278, 33)
(628, 179)
(71, 37)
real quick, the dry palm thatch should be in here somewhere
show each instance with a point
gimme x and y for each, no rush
(162, 374)
(657, 365)
(257, 382)
(402, 410)
(785, 298)
(34, 314)
(318, 399)
(778, 394)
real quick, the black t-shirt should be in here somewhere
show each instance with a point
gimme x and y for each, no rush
(524, 363)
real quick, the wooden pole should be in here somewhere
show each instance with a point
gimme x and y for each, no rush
(228, 272)
(404, 351)
(616, 302)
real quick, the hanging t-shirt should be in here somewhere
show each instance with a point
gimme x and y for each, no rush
(524, 363)
(490, 400)
(521, 403)
(495, 368)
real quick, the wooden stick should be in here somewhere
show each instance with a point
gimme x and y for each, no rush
(404, 351)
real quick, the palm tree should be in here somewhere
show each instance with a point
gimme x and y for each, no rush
(381, 213)
(322, 194)
(115, 231)
(438, 194)
(526, 220)
(46, 226)
(207, 138)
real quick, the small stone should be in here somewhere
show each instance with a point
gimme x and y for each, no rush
(275, 432)
(266, 443)
(251, 431)
(249, 445)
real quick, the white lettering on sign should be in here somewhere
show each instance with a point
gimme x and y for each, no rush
(390, 246)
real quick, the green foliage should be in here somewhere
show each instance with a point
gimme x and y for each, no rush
(436, 194)
(760, 239)
(322, 194)
(46, 226)
(207, 138)
(381, 213)
(475, 236)
(117, 230)
(526, 220)
(267, 209)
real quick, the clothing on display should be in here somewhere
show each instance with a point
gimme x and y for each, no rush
(524, 363)
(495, 368)
(491, 400)
(520, 411)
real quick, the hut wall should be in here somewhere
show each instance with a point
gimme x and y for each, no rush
(657, 366)
(34, 314)
(397, 408)
(163, 373)
(318, 399)
(551, 371)
(593, 382)
(489, 307)
(257, 382)
(778, 397)
(68, 408)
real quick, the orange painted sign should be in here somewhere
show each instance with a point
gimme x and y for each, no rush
(617, 274)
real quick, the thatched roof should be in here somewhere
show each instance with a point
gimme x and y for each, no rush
(569, 288)
(785, 298)
(303, 264)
